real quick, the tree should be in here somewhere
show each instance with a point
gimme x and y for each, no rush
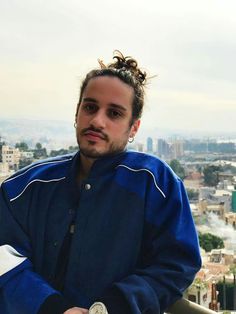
(211, 175)
(59, 152)
(177, 168)
(38, 146)
(63, 151)
(210, 241)
(24, 162)
(192, 194)
(39, 151)
(72, 149)
(22, 146)
(199, 168)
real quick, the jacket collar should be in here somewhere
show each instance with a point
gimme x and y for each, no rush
(100, 167)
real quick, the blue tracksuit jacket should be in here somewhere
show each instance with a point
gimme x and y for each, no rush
(133, 235)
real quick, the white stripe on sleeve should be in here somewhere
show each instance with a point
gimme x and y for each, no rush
(9, 258)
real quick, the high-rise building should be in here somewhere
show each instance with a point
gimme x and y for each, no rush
(177, 149)
(163, 148)
(149, 145)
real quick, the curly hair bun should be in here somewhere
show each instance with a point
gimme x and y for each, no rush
(126, 64)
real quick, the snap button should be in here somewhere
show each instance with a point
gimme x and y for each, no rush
(87, 186)
(71, 211)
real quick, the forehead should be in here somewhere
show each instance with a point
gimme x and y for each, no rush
(109, 89)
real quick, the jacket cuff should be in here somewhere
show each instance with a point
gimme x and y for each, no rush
(54, 304)
(115, 302)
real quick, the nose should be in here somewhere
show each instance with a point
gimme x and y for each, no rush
(98, 120)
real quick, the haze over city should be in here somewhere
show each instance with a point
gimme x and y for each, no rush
(189, 46)
(188, 50)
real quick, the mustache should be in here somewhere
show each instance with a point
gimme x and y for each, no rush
(103, 135)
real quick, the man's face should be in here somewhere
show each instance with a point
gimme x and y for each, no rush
(104, 117)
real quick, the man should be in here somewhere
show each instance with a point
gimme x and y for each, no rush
(101, 231)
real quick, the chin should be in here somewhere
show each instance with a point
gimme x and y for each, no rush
(92, 153)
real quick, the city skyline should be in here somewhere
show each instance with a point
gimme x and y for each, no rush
(187, 46)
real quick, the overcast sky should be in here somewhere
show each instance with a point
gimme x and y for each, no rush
(48, 45)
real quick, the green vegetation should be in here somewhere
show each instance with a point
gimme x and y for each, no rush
(211, 175)
(192, 194)
(39, 151)
(63, 151)
(24, 162)
(199, 283)
(22, 146)
(232, 269)
(177, 168)
(210, 241)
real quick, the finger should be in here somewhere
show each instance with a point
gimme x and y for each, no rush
(76, 310)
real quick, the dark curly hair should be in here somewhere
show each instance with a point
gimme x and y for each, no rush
(126, 69)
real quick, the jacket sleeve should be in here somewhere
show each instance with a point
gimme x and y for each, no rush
(170, 257)
(22, 291)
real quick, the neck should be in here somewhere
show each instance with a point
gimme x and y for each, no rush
(84, 168)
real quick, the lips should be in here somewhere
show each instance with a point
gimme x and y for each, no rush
(92, 135)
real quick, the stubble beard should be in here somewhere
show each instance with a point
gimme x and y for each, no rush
(94, 153)
(89, 149)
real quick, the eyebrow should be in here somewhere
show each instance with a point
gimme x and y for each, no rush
(118, 107)
(89, 99)
(122, 108)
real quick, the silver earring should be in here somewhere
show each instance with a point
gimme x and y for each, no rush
(75, 125)
(131, 139)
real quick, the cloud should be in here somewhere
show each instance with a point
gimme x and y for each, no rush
(48, 46)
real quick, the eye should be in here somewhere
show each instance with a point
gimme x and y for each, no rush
(113, 113)
(90, 107)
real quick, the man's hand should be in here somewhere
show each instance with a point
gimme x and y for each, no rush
(76, 310)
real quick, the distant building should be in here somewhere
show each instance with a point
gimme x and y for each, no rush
(4, 168)
(230, 218)
(225, 185)
(26, 155)
(4, 171)
(149, 145)
(206, 208)
(217, 270)
(11, 156)
(177, 149)
(203, 290)
(163, 148)
(206, 192)
(225, 176)
(1, 145)
(216, 196)
(215, 256)
(199, 293)
(223, 196)
(193, 180)
(222, 256)
(140, 147)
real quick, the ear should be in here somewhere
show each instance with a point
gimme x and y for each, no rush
(134, 128)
